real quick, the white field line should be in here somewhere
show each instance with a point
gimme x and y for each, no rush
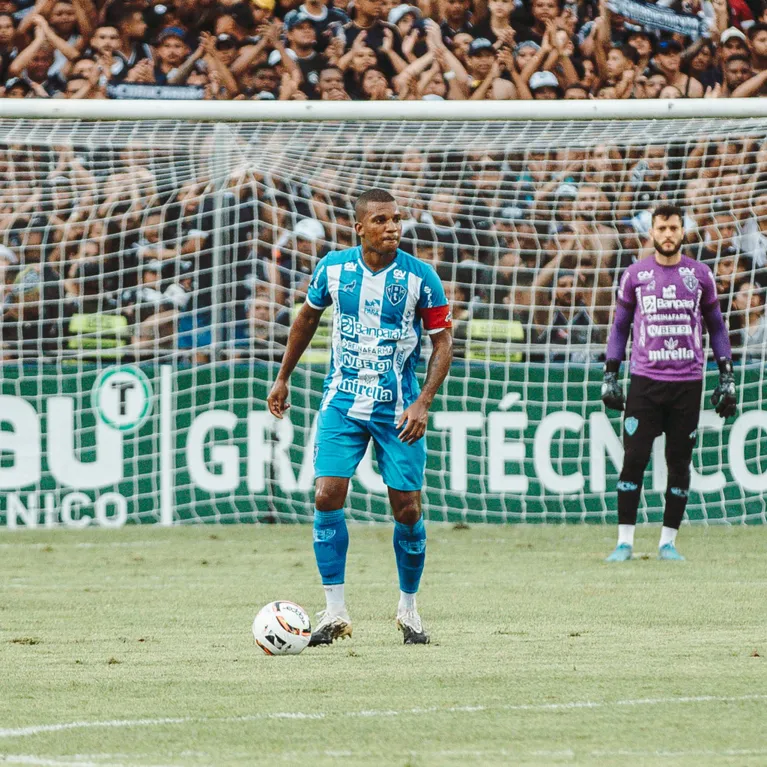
(20, 732)
(61, 761)
(79, 545)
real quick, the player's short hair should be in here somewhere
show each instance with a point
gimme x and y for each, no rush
(667, 211)
(372, 195)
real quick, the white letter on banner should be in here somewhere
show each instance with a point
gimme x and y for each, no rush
(16, 510)
(74, 501)
(306, 474)
(563, 420)
(23, 443)
(659, 468)
(120, 516)
(602, 439)
(499, 451)
(225, 456)
(259, 449)
(708, 483)
(736, 451)
(106, 469)
(457, 425)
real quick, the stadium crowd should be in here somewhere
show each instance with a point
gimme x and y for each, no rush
(378, 50)
(137, 254)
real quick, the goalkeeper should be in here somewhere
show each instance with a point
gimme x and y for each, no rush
(666, 297)
(380, 297)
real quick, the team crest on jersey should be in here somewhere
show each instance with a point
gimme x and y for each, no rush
(631, 424)
(395, 293)
(399, 274)
(644, 276)
(688, 278)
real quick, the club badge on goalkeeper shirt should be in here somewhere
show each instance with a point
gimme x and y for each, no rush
(376, 340)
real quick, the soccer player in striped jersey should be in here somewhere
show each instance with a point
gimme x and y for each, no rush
(380, 297)
(667, 298)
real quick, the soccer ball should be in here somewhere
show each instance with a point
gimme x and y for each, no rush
(282, 628)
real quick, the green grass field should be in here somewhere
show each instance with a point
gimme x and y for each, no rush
(134, 648)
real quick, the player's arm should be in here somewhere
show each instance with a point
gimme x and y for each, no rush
(612, 393)
(723, 398)
(437, 320)
(438, 324)
(416, 417)
(301, 333)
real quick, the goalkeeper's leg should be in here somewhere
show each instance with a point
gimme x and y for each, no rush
(681, 433)
(642, 423)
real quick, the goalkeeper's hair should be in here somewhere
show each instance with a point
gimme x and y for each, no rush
(667, 211)
(372, 195)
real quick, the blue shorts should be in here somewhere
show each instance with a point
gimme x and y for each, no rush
(341, 443)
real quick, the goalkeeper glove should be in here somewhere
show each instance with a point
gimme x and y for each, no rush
(612, 393)
(723, 398)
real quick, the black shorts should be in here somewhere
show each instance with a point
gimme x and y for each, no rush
(662, 407)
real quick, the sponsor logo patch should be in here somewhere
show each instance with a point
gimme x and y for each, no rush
(631, 424)
(399, 274)
(350, 266)
(669, 291)
(349, 286)
(644, 276)
(372, 307)
(649, 304)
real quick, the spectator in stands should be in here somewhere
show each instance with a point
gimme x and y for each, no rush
(729, 271)
(749, 321)
(8, 49)
(265, 332)
(133, 47)
(668, 59)
(369, 31)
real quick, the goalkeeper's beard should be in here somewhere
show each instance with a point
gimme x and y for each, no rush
(664, 251)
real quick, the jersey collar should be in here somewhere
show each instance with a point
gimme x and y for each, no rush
(367, 269)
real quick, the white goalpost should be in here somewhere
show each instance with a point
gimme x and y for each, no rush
(153, 255)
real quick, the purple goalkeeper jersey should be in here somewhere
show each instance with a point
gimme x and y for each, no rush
(667, 305)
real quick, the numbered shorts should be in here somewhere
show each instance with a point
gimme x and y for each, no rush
(341, 442)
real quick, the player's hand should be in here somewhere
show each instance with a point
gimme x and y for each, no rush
(612, 393)
(277, 401)
(414, 419)
(723, 398)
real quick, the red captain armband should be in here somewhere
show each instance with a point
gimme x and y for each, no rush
(437, 318)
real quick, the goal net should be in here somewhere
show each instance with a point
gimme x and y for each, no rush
(151, 269)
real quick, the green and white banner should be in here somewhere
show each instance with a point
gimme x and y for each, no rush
(506, 443)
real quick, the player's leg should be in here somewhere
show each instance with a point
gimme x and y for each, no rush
(339, 447)
(409, 541)
(642, 423)
(402, 467)
(681, 427)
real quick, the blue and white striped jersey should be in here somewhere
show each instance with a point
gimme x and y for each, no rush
(376, 336)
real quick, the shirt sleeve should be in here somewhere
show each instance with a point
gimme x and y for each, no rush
(432, 305)
(318, 295)
(708, 286)
(626, 294)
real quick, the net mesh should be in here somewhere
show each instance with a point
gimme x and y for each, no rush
(183, 249)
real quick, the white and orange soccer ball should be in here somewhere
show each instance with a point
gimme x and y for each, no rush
(282, 628)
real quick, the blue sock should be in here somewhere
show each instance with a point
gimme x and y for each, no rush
(331, 542)
(410, 553)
